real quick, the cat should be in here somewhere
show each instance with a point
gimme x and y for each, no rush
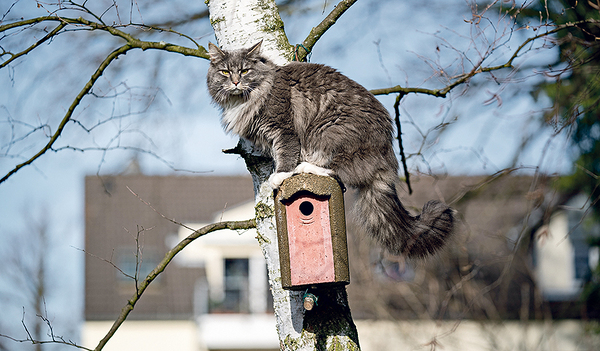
(312, 119)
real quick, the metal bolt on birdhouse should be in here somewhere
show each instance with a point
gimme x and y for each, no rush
(311, 231)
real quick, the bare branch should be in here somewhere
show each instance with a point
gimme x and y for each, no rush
(318, 31)
(477, 68)
(86, 89)
(132, 43)
(399, 89)
(113, 30)
(29, 49)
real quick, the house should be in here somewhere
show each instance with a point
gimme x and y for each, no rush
(214, 295)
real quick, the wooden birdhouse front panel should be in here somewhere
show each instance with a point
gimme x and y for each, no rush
(309, 238)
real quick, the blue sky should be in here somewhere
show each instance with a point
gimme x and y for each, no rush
(160, 104)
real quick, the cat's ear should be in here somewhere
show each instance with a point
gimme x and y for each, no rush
(254, 50)
(214, 52)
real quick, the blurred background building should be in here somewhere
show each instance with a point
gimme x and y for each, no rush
(521, 253)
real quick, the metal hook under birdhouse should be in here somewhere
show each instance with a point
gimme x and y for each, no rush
(309, 300)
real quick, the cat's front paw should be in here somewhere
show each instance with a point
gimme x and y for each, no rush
(306, 167)
(276, 179)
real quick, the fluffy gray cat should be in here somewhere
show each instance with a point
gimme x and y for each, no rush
(312, 119)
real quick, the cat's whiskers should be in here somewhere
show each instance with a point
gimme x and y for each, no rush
(246, 92)
(222, 96)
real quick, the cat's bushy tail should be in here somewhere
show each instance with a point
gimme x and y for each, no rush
(382, 216)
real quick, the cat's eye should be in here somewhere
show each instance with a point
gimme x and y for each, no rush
(244, 71)
(224, 72)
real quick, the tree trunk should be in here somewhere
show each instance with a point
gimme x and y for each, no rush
(328, 325)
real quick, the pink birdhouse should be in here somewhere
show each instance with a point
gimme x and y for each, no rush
(311, 232)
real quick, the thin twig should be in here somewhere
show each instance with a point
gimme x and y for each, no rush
(109, 262)
(399, 137)
(55, 339)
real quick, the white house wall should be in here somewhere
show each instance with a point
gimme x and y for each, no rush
(555, 265)
(143, 335)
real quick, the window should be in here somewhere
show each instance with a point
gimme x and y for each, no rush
(236, 285)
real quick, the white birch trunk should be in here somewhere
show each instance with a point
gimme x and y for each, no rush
(238, 24)
(242, 23)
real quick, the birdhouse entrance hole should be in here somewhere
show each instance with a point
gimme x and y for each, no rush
(306, 208)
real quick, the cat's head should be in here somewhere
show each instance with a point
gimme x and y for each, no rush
(233, 75)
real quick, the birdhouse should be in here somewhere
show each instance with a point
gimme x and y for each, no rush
(311, 231)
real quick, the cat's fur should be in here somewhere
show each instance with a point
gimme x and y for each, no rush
(310, 118)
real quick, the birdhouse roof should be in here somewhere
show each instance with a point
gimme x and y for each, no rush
(315, 184)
